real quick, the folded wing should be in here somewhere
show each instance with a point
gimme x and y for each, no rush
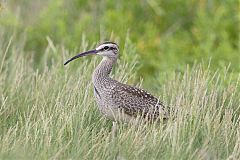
(134, 102)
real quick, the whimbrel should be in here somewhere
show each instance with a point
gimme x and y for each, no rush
(118, 101)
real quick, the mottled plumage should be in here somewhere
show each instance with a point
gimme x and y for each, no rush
(134, 102)
(119, 101)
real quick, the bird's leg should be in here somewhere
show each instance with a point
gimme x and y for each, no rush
(114, 130)
(114, 140)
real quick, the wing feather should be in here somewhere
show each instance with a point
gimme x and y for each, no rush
(134, 102)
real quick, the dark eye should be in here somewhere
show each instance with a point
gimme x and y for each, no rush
(106, 48)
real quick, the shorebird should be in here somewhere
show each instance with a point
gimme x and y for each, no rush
(118, 101)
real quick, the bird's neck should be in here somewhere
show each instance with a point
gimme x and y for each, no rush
(101, 73)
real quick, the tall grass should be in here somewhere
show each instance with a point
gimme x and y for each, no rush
(50, 113)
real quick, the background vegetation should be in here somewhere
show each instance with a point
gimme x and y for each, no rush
(167, 35)
(187, 52)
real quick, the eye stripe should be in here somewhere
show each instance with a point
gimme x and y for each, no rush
(111, 45)
(110, 48)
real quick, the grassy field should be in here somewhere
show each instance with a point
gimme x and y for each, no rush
(51, 114)
(188, 56)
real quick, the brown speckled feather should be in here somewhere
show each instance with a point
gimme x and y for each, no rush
(134, 102)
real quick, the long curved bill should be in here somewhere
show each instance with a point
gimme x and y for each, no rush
(81, 55)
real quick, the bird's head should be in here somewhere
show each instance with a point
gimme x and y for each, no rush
(106, 49)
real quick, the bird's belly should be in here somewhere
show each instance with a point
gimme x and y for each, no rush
(114, 114)
(109, 111)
